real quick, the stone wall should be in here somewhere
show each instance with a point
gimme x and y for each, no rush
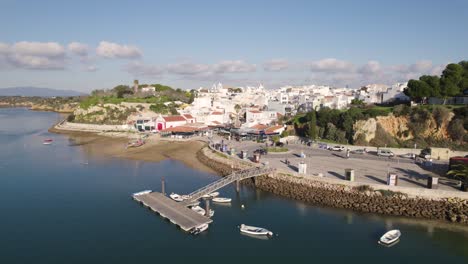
(350, 195)
(364, 198)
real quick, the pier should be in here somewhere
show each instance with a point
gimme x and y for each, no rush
(179, 213)
(176, 212)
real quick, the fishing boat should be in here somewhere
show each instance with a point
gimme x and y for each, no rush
(176, 197)
(221, 200)
(47, 141)
(142, 192)
(199, 229)
(253, 230)
(135, 143)
(390, 237)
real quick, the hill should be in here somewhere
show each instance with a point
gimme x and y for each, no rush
(36, 91)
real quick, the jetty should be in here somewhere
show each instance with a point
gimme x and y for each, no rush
(176, 212)
(179, 213)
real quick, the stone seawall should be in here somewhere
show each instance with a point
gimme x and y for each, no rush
(362, 198)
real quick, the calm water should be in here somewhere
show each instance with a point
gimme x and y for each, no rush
(55, 209)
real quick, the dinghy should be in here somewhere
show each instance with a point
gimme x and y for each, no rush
(211, 195)
(176, 197)
(221, 200)
(202, 211)
(142, 192)
(390, 237)
(199, 229)
(252, 230)
(47, 141)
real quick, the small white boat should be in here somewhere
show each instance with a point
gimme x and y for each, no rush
(185, 197)
(176, 197)
(390, 237)
(142, 192)
(194, 203)
(47, 141)
(198, 209)
(258, 231)
(202, 211)
(199, 229)
(221, 200)
(211, 195)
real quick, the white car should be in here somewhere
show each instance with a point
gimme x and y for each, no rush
(337, 148)
(408, 156)
(385, 153)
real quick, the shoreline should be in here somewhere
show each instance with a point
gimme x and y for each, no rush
(444, 206)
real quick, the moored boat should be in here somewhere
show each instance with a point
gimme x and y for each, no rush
(176, 197)
(199, 229)
(142, 192)
(202, 211)
(253, 230)
(390, 237)
(221, 200)
(211, 195)
(47, 141)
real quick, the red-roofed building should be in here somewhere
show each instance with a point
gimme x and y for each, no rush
(274, 130)
(190, 119)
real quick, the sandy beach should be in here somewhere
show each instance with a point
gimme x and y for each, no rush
(113, 144)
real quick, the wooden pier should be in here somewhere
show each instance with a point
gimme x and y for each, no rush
(176, 212)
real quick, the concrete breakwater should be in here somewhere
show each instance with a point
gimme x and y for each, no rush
(362, 198)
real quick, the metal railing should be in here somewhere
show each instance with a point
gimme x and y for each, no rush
(239, 175)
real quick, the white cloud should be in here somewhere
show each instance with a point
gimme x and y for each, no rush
(141, 69)
(187, 68)
(33, 55)
(276, 65)
(235, 66)
(114, 50)
(423, 66)
(78, 48)
(331, 65)
(371, 67)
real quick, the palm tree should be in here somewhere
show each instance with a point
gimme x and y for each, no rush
(460, 171)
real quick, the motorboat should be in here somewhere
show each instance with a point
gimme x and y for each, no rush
(211, 195)
(390, 237)
(185, 197)
(142, 192)
(47, 141)
(194, 203)
(253, 230)
(221, 200)
(202, 211)
(176, 197)
(199, 229)
(198, 209)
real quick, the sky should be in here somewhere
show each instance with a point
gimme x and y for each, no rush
(86, 45)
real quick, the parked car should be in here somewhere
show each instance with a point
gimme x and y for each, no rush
(408, 156)
(260, 151)
(385, 153)
(358, 151)
(425, 153)
(337, 148)
(279, 144)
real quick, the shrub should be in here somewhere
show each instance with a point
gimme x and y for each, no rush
(363, 188)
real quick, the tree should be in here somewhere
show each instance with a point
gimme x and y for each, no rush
(418, 90)
(451, 80)
(456, 129)
(434, 84)
(357, 102)
(312, 132)
(121, 90)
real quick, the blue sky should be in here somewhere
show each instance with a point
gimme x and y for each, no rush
(188, 44)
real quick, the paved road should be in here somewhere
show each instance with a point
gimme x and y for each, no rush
(369, 168)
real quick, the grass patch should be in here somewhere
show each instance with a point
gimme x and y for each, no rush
(389, 193)
(363, 188)
(277, 149)
(220, 154)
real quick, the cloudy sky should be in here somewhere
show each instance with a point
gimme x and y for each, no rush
(85, 45)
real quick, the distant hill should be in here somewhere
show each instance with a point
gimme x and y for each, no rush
(36, 91)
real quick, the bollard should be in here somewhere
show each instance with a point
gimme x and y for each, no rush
(432, 182)
(349, 174)
(207, 207)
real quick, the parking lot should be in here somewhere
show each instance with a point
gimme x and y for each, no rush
(368, 168)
